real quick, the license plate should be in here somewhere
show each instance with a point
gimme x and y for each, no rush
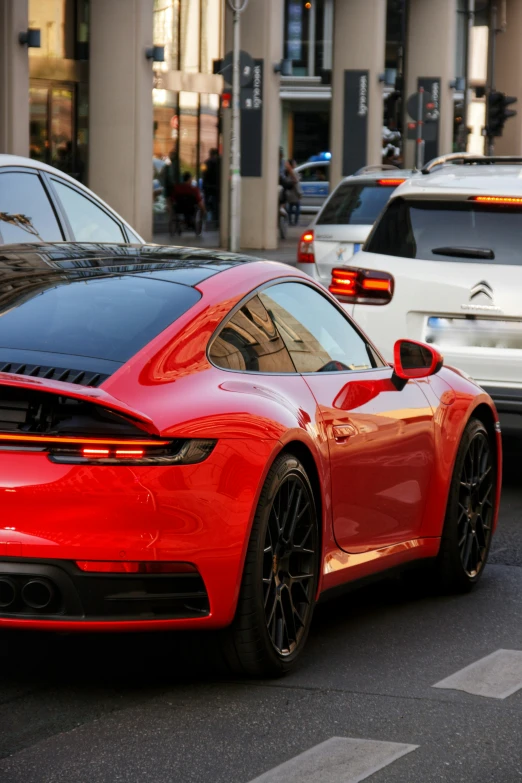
(473, 332)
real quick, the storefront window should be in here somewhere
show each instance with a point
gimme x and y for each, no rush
(62, 127)
(190, 35)
(58, 125)
(82, 132)
(188, 133)
(38, 107)
(210, 33)
(166, 33)
(53, 19)
(165, 155)
(296, 36)
(308, 35)
(82, 30)
(208, 137)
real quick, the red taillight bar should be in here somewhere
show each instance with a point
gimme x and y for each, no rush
(361, 286)
(496, 199)
(134, 567)
(80, 441)
(391, 182)
(373, 284)
(95, 452)
(305, 248)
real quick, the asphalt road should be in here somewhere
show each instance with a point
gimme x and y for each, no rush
(109, 708)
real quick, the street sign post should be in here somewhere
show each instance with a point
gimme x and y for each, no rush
(423, 107)
(246, 68)
(237, 7)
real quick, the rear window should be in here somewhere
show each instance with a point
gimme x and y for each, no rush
(461, 231)
(108, 318)
(355, 205)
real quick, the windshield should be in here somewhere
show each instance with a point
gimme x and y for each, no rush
(355, 205)
(461, 231)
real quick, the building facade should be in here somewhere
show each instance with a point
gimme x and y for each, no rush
(89, 102)
(95, 100)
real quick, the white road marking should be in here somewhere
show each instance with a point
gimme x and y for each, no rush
(338, 760)
(496, 676)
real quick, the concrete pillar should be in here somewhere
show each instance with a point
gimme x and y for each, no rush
(14, 78)
(262, 38)
(431, 55)
(120, 108)
(357, 108)
(508, 78)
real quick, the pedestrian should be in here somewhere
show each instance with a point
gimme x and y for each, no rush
(211, 183)
(187, 198)
(293, 195)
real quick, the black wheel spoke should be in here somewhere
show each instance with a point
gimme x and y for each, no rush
(289, 564)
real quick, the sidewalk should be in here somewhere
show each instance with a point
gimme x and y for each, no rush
(286, 252)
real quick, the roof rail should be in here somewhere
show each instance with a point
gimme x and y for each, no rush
(467, 159)
(376, 167)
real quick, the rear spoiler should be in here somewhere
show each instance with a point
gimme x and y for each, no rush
(85, 393)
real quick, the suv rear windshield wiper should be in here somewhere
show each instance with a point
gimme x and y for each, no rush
(465, 252)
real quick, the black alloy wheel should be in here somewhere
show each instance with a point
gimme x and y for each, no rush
(476, 495)
(289, 564)
(468, 526)
(280, 577)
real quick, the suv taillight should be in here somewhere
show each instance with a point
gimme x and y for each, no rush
(305, 249)
(361, 286)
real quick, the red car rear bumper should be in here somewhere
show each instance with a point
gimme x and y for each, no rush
(54, 515)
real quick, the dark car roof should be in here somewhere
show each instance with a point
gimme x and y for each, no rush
(188, 266)
(76, 312)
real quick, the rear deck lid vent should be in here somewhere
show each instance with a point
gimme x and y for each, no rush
(80, 377)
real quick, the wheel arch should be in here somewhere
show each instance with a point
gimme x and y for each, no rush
(484, 414)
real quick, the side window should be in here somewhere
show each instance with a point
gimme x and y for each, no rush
(26, 214)
(133, 238)
(249, 341)
(323, 173)
(315, 174)
(89, 222)
(318, 337)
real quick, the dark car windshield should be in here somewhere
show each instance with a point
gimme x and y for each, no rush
(355, 205)
(105, 318)
(449, 231)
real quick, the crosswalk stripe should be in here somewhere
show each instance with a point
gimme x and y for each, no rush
(337, 760)
(496, 676)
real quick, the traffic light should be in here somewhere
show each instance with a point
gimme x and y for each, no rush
(498, 112)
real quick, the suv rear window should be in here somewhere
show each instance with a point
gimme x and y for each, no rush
(355, 205)
(104, 318)
(461, 231)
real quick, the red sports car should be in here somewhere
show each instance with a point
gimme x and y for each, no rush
(194, 439)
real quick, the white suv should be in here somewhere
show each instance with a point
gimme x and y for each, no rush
(443, 265)
(345, 220)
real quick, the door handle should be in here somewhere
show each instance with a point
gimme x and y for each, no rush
(342, 432)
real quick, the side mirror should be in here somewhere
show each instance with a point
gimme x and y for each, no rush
(415, 360)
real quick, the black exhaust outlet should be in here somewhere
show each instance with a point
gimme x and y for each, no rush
(7, 592)
(37, 593)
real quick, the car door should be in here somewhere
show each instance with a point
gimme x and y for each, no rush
(380, 436)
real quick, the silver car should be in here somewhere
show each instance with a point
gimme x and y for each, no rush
(39, 203)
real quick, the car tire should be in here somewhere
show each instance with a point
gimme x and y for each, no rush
(467, 531)
(280, 576)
